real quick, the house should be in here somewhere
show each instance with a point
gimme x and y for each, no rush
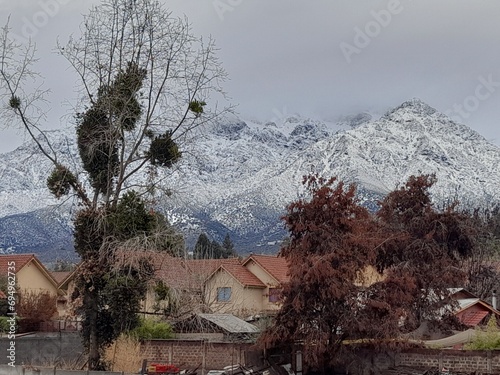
(176, 288)
(66, 284)
(59, 276)
(472, 311)
(178, 284)
(250, 287)
(31, 276)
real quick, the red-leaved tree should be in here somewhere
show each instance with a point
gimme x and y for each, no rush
(425, 247)
(333, 240)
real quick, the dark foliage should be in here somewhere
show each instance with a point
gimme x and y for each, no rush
(15, 102)
(334, 242)
(425, 246)
(164, 151)
(228, 247)
(206, 249)
(196, 106)
(110, 298)
(483, 271)
(60, 181)
(98, 150)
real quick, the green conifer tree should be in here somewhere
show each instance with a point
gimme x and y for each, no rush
(228, 247)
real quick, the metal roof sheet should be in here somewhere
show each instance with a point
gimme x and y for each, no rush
(230, 323)
(466, 302)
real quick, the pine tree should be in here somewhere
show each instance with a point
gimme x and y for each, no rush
(206, 249)
(228, 247)
(216, 250)
(203, 247)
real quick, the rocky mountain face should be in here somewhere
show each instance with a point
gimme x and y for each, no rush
(237, 177)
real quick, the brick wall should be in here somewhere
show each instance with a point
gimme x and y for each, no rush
(193, 353)
(455, 360)
(468, 361)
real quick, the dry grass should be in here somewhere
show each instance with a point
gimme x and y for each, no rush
(125, 355)
(63, 364)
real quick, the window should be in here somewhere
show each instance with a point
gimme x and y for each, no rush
(274, 294)
(224, 294)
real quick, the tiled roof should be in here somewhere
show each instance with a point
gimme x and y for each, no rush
(20, 260)
(277, 267)
(473, 318)
(243, 275)
(59, 276)
(180, 273)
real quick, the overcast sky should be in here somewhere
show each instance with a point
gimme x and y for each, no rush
(318, 58)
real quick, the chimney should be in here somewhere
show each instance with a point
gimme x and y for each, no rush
(494, 299)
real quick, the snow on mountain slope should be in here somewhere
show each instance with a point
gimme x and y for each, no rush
(412, 139)
(238, 177)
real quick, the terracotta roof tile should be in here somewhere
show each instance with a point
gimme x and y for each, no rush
(277, 267)
(180, 273)
(243, 275)
(472, 318)
(20, 261)
(59, 276)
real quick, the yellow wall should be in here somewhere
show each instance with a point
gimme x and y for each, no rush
(269, 281)
(243, 301)
(31, 279)
(150, 300)
(66, 310)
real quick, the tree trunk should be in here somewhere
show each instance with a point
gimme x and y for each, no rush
(94, 360)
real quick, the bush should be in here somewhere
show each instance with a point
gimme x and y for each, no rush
(149, 329)
(5, 324)
(486, 339)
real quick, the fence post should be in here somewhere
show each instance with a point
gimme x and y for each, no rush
(489, 365)
(203, 358)
(171, 353)
(298, 362)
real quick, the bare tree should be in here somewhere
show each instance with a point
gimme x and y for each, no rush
(146, 82)
(35, 308)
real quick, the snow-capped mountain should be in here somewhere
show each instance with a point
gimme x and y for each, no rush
(237, 177)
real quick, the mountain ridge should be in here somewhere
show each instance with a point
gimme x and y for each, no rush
(237, 177)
